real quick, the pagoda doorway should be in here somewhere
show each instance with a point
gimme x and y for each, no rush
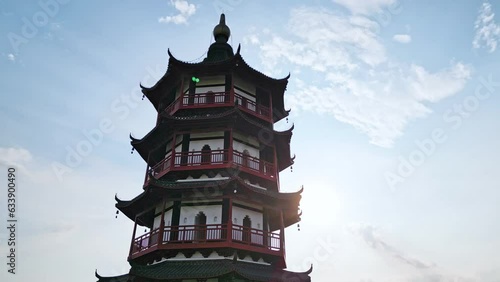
(206, 155)
(246, 156)
(200, 222)
(247, 225)
(210, 98)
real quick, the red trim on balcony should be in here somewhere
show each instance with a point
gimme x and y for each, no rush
(207, 236)
(214, 159)
(251, 107)
(218, 99)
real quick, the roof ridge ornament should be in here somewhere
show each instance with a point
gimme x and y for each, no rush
(222, 31)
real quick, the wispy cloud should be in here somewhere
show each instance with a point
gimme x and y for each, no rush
(361, 85)
(186, 10)
(371, 237)
(251, 39)
(324, 39)
(365, 7)
(15, 156)
(11, 57)
(487, 30)
(402, 38)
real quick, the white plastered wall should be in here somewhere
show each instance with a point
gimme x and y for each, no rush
(207, 84)
(167, 216)
(256, 219)
(240, 147)
(205, 89)
(255, 216)
(213, 214)
(215, 144)
(246, 86)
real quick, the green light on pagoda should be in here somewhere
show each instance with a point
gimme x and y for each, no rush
(195, 79)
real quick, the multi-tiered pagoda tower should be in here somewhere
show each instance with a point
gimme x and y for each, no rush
(211, 204)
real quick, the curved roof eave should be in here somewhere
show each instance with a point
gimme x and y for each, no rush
(280, 81)
(286, 132)
(162, 185)
(135, 141)
(232, 61)
(270, 193)
(123, 204)
(227, 113)
(172, 59)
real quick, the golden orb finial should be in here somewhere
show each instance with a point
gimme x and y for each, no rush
(222, 31)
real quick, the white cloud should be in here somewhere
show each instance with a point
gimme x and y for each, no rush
(365, 7)
(380, 104)
(11, 57)
(325, 40)
(371, 236)
(359, 84)
(487, 31)
(402, 38)
(15, 156)
(251, 39)
(185, 9)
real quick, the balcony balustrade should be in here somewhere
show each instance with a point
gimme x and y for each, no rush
(211, 160)
(207, 236)
(218, 99)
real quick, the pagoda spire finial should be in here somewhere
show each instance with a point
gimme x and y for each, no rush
(222, 31)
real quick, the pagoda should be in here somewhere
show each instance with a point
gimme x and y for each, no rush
(211, 207)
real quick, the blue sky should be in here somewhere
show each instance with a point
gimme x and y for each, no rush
(395, 106)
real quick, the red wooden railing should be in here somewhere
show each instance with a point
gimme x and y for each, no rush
(199, 100)
(253, 163)
(206, 234)
(256, 237)
(205, 99)
(146, 241)
(198, 159)
(215, 99)
(249, 105)
(194, 233)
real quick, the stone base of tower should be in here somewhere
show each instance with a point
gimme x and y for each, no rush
(220, 270)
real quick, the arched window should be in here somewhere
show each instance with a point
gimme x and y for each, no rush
(247, 225)
(206, 154)
(200, 222)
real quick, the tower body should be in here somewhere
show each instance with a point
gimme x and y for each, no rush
(211, 207)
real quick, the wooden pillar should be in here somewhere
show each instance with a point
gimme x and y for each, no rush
(227, 144)
(179, 101)
(162, 224)
(275, 166)
(133, 236)
(282, 233)
(176, 215)
(172, 151)
(265, 229)
(228, 89)
(146, 177)
(230, 221)
(232, 89)
(230, 152)
(192, 92)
